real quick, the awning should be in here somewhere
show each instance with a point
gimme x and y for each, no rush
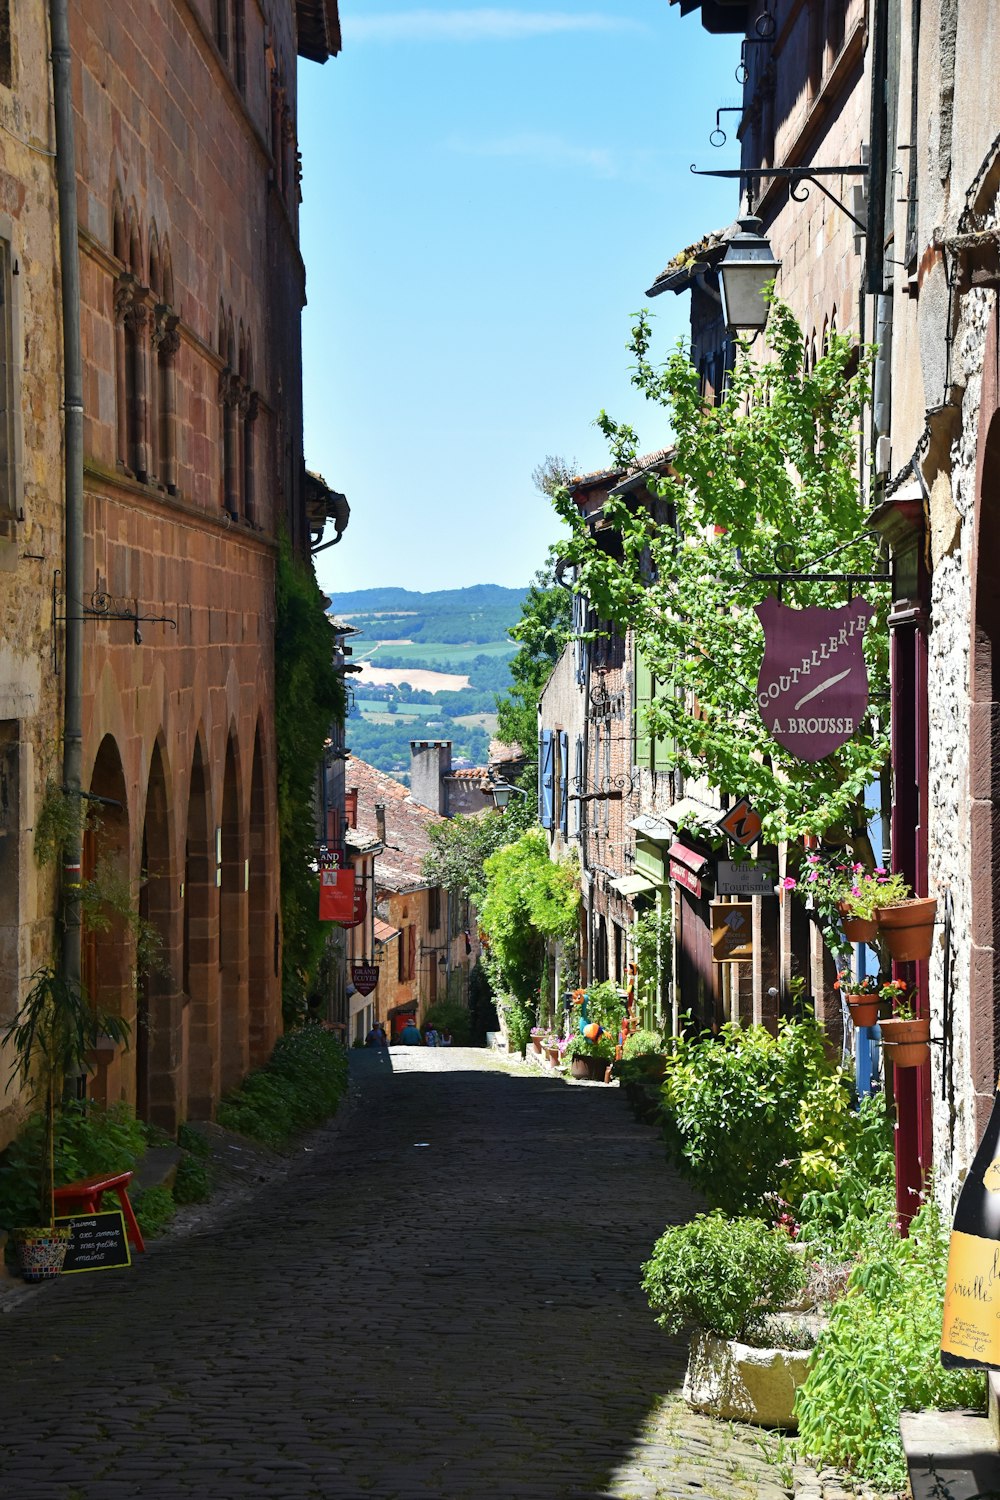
(663, 828)
(384, 932)
(689, 858)
(632, 885)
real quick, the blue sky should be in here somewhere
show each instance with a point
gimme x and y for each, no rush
(488, 191)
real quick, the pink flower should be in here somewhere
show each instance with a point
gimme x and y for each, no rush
(788, 884)
(813, 875)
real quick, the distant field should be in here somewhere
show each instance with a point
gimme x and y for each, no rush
(435, 651)
(418, 677)
(384, 718)
(478, 721)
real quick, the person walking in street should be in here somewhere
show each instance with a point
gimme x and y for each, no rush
(377, 1037)
(431, 1038)
(445, 1038)
(410, 1034)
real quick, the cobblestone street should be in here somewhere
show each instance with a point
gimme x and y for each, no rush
(439, 1300)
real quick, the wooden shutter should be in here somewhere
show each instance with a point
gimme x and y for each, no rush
(643, 679)
(578, 774)
(411, 951)
(563, 782)
(546, 778)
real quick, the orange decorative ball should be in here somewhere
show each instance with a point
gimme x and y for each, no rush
(592, 1031)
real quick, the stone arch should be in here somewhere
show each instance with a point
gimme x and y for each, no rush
(262, 957)
(233, 881)
(158, 1048)
(108, 954)
(200, 941)
(119, 239)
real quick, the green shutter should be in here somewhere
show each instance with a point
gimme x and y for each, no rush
(643, 693)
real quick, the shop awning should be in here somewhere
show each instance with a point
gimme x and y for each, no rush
(384, 933)
(632, 885)
(689, 858)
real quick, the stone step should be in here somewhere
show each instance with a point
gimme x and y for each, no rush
(158, 1167)
(952, 1453)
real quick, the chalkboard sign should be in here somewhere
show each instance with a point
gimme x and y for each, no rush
(98, 1243)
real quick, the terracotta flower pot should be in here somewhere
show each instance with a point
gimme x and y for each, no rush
(863, 1008)
(594, 1068)
(536, 1045)
(857, 929)
(906, 1043)
(907, 928)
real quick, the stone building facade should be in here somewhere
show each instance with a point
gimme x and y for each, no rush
(192, 286)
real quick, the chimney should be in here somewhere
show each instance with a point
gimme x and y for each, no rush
(380, 823)
(430, 763)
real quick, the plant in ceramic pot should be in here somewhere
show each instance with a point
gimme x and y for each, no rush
(862, 996)
(905, 1035)
(598, 1013)
(51, 1036)
(731, 1279)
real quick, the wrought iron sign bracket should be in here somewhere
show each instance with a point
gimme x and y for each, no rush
(785, 552)
(611, 789)
(799, 180)
(102, 606)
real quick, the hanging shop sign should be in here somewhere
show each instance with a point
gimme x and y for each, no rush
(732, 932)
(364, 977)
(812, 690)
(360, 907)
(686, 866)
(336, 895)
(751, 878)
(741, 823)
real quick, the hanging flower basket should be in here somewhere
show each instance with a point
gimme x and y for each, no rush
(907, 929)
(856, 929)
(863, 1008)
(906, 1043)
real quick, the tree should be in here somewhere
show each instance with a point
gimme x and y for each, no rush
(541, 633)
(763, 482)
(529, 902)
(460, 846)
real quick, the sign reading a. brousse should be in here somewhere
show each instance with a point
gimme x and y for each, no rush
(812, 690)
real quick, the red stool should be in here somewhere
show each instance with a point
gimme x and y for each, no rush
(85, 1197)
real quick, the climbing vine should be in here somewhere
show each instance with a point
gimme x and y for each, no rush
(774, 463)
(309, 699)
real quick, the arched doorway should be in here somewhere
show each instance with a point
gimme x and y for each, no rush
(233, 882)
(108, 947)
(200, 954)
(158, 1030)
(262, 976)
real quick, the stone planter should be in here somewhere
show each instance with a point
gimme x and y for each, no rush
(907, 929)
(739, 1383)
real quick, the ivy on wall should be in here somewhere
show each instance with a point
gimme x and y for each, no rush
(309, 699)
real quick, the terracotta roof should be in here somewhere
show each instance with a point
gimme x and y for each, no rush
(704, 254)
(469, 773)
(400, 866)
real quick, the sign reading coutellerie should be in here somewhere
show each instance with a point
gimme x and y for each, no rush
(812, 690)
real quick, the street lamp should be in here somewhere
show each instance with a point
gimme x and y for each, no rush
(501, 791)
(744, 271)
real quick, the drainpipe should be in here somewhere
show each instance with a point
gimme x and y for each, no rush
(69, 257)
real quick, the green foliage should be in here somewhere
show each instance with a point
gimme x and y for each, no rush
(774, 463)
(579, 1046)
(453, 1016)
(191, 1139)
(309, 697)
(748, 1115)
(519, 1019)
(653, 938)
(87, 1140)
(528, 902)
(59, 823)
(460, 846)
(837, 1220)
(542, 631)
(193, 1182)
(642, 1043)
(302, 1082)
(726, 1275)
(880, 1354)
(154, 1208)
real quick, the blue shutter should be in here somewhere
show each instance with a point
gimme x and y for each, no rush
(546, 778)
(578, 773)
(563, 782)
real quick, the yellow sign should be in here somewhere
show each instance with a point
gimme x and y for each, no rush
(971, 1325)
(732, 932)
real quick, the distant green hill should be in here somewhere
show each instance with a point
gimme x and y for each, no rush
(477, 615)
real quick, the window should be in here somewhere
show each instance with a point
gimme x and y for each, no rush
(434, 908)
(9, 502)
(240, 44)
(6, 56)
(222, 26)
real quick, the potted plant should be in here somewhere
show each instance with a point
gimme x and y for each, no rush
(905, 1035)
(599, 1013)
(862, 996)
(906, 926)
(51, 1035)
(731, 1278)
(537, 1034)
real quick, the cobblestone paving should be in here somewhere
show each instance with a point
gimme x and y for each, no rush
(440, 1300)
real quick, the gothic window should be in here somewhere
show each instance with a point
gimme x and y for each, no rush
(166, 342)
(131, 311)
(836, 19)
(6, 56)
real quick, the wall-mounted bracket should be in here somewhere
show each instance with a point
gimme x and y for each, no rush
(799, 180)
(102, 606)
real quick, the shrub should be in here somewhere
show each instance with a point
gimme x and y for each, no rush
(190, 1138)
(451, 1015)
(642, 1044)
(301, 1083)
(879, 1355)
(837, 1221)
(193, 1182)
(749, 1116)
(154, 1208)
(726, 1275)
(88, 1140)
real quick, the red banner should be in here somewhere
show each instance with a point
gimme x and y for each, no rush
(812, 691)
(336, 896)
